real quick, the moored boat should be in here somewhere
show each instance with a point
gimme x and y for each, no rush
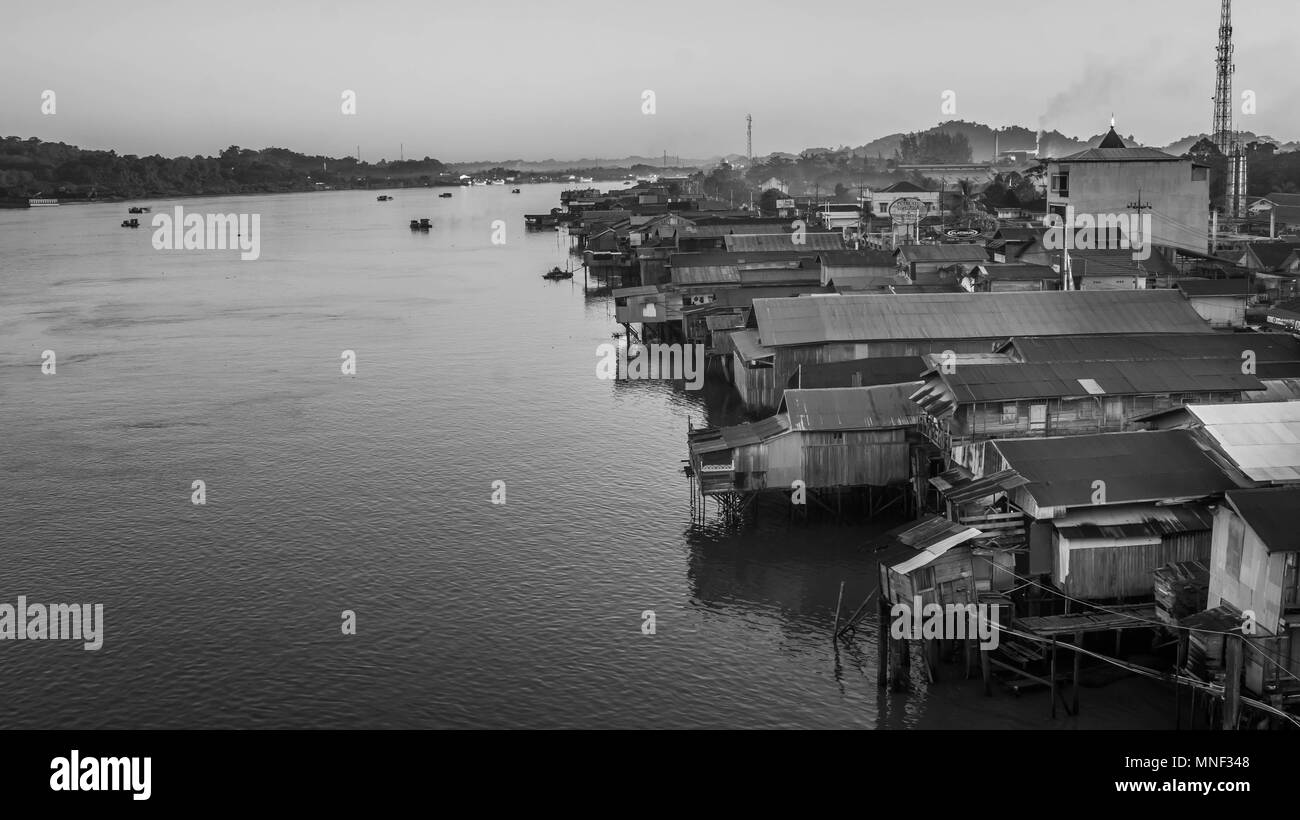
(556, 273)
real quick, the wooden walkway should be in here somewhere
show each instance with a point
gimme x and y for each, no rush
(1119, 618)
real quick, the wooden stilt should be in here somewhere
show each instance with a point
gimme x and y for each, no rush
(835, 635)
(986, 669)
(1232, 683)
(1053, 677)
(1078, 658)
(882, 632)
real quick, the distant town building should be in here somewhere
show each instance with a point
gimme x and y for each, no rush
(1116, 179)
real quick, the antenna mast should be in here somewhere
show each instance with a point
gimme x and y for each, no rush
(749, 138)
(1224, 135)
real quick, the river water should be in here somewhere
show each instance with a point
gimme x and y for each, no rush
(371, 492)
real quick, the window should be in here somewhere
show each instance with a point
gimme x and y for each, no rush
(1061, 183)
(924, 579)
(883, 207)
(1200, 174)
(1038, 418)
(1236, 537)
(1010, 412)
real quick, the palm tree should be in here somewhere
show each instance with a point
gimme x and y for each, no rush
(967, 199)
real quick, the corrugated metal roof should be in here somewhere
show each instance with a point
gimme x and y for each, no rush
(858, 372)
(1271, 513)
(1215, 287)
(1273, 254)
(1118, 262)
(1132, 522)
(1018, 272)
(859, 279)
(1147, 466)
(880, 407)
(1267, 347)
(863, 317)
(743, 243)
(636, 290)
(771, 276)
(962, 489)
(718, 439)
(942, 253)
(746, 344)
(1262, 439)
(1005, 382)
(930, 539)
(856, 259)
(745, 296)
(704, 274)
(753, 259)
(1119, 155)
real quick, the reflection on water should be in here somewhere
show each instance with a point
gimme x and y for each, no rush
(371, 493)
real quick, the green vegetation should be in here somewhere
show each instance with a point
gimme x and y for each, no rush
(30, 166)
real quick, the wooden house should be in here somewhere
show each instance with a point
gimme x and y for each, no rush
(785, 241)
(967, 404)
(1107, 510)
(1275, 355)
(1255, 570)
(865, 270)
(1259, 440)
(925, 264)
(941, 563)
(827, 438)
(1015, 276)
(815, 330)
(1221, 302)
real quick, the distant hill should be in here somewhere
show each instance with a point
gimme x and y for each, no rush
(553, 165)
(1181, 146)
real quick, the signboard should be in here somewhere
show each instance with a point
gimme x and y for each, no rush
(1289, 324)
(907, 210)
(785, 203)
(961, 233)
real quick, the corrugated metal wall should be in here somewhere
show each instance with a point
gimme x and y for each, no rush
(1125, 571)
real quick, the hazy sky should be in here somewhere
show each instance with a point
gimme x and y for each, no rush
(492, 79)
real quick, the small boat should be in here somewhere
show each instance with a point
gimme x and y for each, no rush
(444, 196)
(555, 274)
(420, 225)
(383, 198)
(134, 209)
(130, 223)
(514, 190)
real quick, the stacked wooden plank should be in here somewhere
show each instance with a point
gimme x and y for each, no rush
(1181, 589)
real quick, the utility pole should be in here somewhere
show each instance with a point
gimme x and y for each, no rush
(1138, 206)
(749, 138)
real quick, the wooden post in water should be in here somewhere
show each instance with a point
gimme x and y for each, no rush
(986, 669)
(835, 636)
(1078, 658)
(882, 633)
(1179, 663)
(1053, 674)
(1232, 683)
